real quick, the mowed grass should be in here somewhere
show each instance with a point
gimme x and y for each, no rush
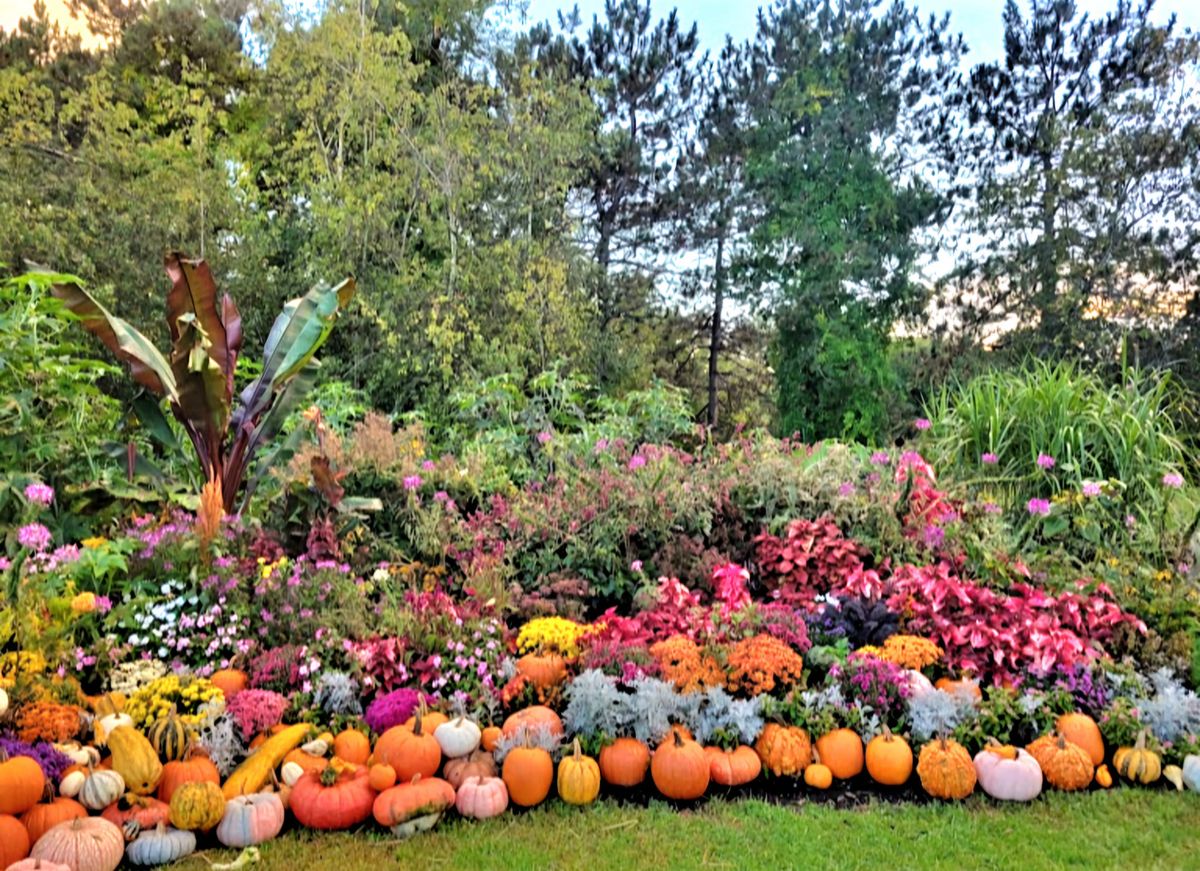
(1125, 828)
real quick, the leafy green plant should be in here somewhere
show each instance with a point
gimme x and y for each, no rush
(197, 378)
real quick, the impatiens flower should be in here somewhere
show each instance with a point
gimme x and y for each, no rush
(636, 461)
(412, 482)
(880, 458)
(103, 604)
(1045, 461)
(1091, 489)
(39, 494)
(34, 536)
(545, 437)
(1173, 480)
(989, 459)
(922, 423)
(1039, 507)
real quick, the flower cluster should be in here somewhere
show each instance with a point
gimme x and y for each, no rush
(910, 651)
(762, 664)
(685, 664)
(813, 558)
(551, 635)
(256, 711)
(48, 721)
(194, 700)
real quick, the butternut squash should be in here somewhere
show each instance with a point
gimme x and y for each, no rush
(251, 775)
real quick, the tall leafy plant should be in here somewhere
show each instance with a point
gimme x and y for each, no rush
(197, 376)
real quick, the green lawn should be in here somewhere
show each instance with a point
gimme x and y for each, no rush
(1119, 829)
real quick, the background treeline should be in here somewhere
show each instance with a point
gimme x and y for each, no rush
(813, 231)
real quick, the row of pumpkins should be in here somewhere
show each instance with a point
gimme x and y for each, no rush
(155, 792)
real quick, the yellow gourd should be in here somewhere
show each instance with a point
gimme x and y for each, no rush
(250, 776)
(135, 760)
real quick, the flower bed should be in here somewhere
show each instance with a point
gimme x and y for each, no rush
(877, 644)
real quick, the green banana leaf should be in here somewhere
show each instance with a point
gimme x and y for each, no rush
(146, 363)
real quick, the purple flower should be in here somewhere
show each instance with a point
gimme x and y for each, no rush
(922, 423)
(1045, 461)
(412, 482)
(846, 489)
(545, 437)
(636, 461)
(1039, 507)
(880, 458)
(935, 536)
(34, 536)
(1091, 489)
(39, 494)
(989, 459)
(992, 508)
(1174, 480)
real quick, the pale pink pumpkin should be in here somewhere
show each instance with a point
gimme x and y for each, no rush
(251, 819)
(481, 797)
(86, 844)
(1018, 779)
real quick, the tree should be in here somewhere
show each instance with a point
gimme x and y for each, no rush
(841, 118)
(1079, 155)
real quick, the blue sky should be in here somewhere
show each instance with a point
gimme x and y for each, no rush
(977, 20)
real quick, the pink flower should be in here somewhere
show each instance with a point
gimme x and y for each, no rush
(39, 494)
(1039, 507)
(34, 536)
(989, 459)
(922, 423)
(428, 465)
(636, 567)
(1174, 480)
(1091, 489)
(636, 461)
(846, 489)
(1045, 461)
(412, 482)
(880, 458)
(545, 437)
(601, 446)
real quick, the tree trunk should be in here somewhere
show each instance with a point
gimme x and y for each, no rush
(714, 339)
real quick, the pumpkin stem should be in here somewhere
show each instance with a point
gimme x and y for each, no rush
(329, 776)
(887, 733)
(1140, 744)
(1062, 742)
(48, 791)
(675, 732)
(578, 752)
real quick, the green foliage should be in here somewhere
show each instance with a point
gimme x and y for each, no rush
(53, 414)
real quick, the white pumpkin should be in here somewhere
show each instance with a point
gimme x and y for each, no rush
(1191, 772)
(100, 789)
(3, 701)
(291, 772)
(458, 737)
(79, 755)
(105, 725)
(316, 747)
(71, 784)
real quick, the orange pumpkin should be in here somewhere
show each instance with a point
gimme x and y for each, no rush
(430, 720)
(964, 686)
(308, 763)
(889, 759)
(1065, 764)
(409, 751)
(624, 762)
(479, 764)
(21, 784)
(195, 767)
(381, 777)
(528, 772)
(679, 768)
(14, 841)
(49, 812)
(413, 807)
(784, 750)
(1082, 731)
(946, 769)
(842, 752)
(533, 718)
(545, 671)
(147, 812)
(230, 681)
(351, 745)
(332, 800)
(490, 737)
(734, 767)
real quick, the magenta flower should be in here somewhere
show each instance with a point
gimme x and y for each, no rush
(1174, 480)
(922, 423)
(1039, 507)
(39, 494)
(636, 566)
(601, 446)
(992, 508)
(989, 459)
(880, 458)
(636, 461)
(1091, 489)
(545, 437)
(1045, 461)
(34, 536)
(846, 489)
(412, 482)
(428, 465)
(934, 536)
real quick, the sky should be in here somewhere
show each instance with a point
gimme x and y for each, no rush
(977, 20)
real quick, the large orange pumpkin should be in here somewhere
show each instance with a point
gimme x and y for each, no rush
(733, 767)
(353, 746)
(430, 720)
(230, 681)
(21, 784)
(409, 808)
(889, 759)
(624, 762)
(1082, 731)
(842, 752)
(332, 800)
(784, 750)
(946, 769)
(531, 719)
(195, 767)
(409, 751)
(679, 768)
(14, 840)
(1064, 764)
(49, 812)
(544, 671)
(528, 772)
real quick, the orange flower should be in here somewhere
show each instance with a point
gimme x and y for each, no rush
(910, 651)
(761, 664)
(687, 666)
